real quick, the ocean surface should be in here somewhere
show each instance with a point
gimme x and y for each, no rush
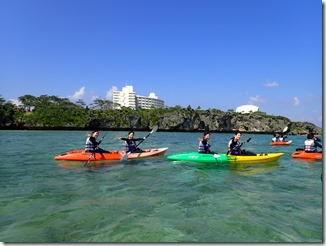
(155, 200)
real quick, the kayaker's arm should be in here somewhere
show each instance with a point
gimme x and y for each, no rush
(131, 139)
(139, 139)
(125, 139)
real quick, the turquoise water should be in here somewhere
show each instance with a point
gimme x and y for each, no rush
(155, 200)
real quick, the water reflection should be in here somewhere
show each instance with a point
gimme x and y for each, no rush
(94, 164)
(248, 169)
(239, 169)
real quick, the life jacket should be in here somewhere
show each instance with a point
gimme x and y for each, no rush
(130, 145)
(203, 147)
(309, 145)
(89, 145)
(235, 147)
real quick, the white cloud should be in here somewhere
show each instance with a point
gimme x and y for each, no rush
(255, 100)
(296, 101)
(15, 102)
(109, 93)
(78, 94)
(272, 84)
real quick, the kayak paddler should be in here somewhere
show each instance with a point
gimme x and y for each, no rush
(311, 144)
(204, 145)
(91, 144)
(234, 146)
(131, 145)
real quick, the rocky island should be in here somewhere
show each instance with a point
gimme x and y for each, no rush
(54, 113)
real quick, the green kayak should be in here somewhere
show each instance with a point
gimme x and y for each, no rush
(199, 157)
(223, 158)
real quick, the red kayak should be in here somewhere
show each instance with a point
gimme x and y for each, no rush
(81, 155)
(300, 153)
(280, 143)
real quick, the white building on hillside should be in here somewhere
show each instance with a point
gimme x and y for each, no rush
(125, 98)
(128, 98)
(247, 109)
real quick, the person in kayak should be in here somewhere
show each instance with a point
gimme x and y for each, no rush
(275, 138)
(204, 145)
(311, 144)
(282, 138)
(131, 145)
(91, 144)
(234, 146)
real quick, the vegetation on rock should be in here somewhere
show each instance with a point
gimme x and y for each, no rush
(52, 112)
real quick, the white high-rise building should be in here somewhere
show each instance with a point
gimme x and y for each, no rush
(128, 98)
(125, 98)
(151, 101)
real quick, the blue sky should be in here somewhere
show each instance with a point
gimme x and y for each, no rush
(209, 53)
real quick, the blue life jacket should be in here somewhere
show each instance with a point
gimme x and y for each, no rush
(236, 150)
(130, 146)
(235, 147)
(203, 147)
(90, 146)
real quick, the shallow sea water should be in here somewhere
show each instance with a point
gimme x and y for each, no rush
(154, 199)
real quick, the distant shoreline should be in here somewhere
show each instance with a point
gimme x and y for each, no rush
(127, 129)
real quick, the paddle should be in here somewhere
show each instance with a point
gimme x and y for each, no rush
(89, 158)
(125, 156)
(285, 129)
(244, 152)
(248, 140)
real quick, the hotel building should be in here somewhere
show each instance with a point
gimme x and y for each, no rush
(128, 98)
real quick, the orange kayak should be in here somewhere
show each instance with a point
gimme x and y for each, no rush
(114, 155)
(281, 143)
(307, 155)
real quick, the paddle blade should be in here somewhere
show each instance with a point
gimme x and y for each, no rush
(125, 156)
(89, 158)
(285, 129)
(154, 129)
(248, 140)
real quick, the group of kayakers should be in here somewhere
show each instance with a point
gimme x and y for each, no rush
(311, 144)
(92, 145)
(279, 138)
(234, 144)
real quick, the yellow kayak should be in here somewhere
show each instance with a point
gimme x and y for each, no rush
(264, 157)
